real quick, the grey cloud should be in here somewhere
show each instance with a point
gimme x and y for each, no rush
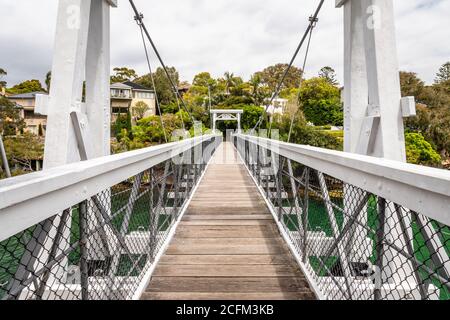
(222, 35)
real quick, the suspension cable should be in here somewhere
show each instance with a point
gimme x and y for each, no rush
(153, 83)
(302, 78)
(311, 25)
(179, 110)
(139, 18)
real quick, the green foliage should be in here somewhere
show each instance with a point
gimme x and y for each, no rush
(123, 74)
(320, 102)
(140, 109)
(443, 74)
(163, 89)
(272, 75)
(27, 87)
(48, 80)
(150, 131)
(433, 109)
(306, 135)
(251, 116)
(419, 151)
(329, 74)
(123, 122)
(204, 80)
(10, 120)
(23, 149)
(2, 74)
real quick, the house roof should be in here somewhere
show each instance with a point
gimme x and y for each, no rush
(136, 86)
(119, 85)
(30, 95)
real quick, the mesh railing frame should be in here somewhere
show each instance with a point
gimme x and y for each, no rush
(353, 244)
(104, 247)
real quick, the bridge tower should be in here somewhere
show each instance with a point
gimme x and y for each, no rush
(78, 106)
(373, 107)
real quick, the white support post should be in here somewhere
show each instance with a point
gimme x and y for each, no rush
(81, 55)
(372, 103)
(239, 130)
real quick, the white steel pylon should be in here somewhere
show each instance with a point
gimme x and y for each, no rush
(374, 112)
(78, 106)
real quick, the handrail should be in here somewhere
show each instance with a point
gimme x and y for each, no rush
(360, 227)
(30, 199)
(419, 188)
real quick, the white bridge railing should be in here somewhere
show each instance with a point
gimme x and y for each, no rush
(360, 227)
(96, 229)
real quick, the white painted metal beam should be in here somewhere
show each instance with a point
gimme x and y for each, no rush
(422, 189)
(28, 200)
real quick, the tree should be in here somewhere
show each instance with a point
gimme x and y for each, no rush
(230, 81)
(272, 75)
(329, 74)
(123, 122)
(3, 73)
(140, 109)
(259, 91)
(444, 73)
(411, 85)
(304, 134)
(204, 80)
(150, 131)
(10, 119)
(123, 74)
(420, 151)
(321, 102)
(24, 149)
(27, 86)
(48, 80)
(163, 89)
(251, 116)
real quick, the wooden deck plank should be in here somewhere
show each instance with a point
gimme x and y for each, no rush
(235, 296)
(227, 246)
(225, 259)
(245, 271)
(229, 285)
(265, 231)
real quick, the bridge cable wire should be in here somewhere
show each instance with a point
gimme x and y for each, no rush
(301, 82)
(311, 25)
(139, 18)
(153, 84)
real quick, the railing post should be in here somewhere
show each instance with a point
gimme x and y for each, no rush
(84, 269)
(305, 215)
(379, 247)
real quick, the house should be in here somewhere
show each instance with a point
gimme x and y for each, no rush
(35, 123)
(125, 96)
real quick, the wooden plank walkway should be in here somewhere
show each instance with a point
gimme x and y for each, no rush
(227, 246)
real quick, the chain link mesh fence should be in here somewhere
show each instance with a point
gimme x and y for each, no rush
(102, 248)
(354, 244)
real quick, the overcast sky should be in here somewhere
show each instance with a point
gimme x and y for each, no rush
(241, 36)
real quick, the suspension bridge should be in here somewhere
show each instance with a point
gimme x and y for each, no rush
(246, 218)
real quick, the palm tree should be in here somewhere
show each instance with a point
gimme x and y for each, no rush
(2, 74)
(48, 80)
(229, 81)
